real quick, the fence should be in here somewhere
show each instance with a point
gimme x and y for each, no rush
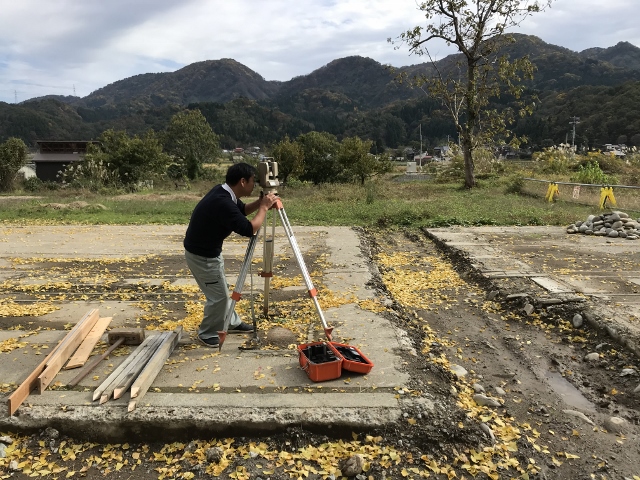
(622, 197)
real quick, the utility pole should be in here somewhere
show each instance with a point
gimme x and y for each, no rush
(420, 146)
(574, 121)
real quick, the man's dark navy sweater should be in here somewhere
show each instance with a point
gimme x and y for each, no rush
(213, 220)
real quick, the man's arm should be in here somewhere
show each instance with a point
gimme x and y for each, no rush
(249, 208)
(262, 205)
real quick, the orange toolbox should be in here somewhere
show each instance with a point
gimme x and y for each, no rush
(353, 360)
(320, 360)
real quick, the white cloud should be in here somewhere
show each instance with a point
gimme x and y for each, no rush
(48, 46)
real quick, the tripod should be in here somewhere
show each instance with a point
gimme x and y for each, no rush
(268, 171)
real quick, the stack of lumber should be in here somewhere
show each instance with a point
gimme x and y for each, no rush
(80, 339)
(139, 369)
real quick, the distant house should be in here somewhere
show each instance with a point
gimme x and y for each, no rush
(441, 152)
(616, 150)
(54, 156)
(422, 160)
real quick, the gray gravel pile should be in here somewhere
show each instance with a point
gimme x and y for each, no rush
(612, 224)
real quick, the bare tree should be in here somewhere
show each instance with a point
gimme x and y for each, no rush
(483, 70)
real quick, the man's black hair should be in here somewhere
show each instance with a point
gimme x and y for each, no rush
(238, 171)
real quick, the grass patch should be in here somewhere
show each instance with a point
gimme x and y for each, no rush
(100, 210)
(383, 202)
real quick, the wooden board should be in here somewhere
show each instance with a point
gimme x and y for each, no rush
(30, 383)
(137, 367)
(139, 360)
(26, 387)
(69, 345)
(91, 314)
(88, 344)
(153, 367)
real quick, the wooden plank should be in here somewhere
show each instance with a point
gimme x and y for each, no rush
(31, 382)
(103, 386)
(154, 366)
(66, 349)
(91, 314)
(133, 373)
(22, 392)
(135, 365)
(88, 344)
(116, 373)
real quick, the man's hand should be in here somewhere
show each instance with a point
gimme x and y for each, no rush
(267, 201)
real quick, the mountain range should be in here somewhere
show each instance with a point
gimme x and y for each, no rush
(349, 96)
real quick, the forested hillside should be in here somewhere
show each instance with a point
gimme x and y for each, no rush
(349, 96)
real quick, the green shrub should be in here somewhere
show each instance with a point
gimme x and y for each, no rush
(90, 174)
(13, 155)
(33, 184)
(486, 164)
(515, 184)
(453, 171)
(49, 185)
(593, 174)
(371, 190)
(213, 175)
(554, 160)
(607, 162)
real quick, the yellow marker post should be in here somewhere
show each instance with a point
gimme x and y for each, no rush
(552, 193)
(606, 193)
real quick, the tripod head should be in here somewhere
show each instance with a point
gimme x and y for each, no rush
(268, 175)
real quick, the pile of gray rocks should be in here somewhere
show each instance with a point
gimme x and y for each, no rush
(613, 225)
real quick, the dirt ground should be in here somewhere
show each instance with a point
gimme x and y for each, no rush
(537, 362)
(530, 369)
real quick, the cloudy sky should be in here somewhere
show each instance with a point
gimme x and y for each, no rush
(66, 46)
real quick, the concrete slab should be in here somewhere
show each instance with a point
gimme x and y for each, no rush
(200, 388)
(552, 286)
(203, 391)
(565, 265)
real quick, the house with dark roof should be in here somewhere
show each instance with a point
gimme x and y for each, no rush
(54, 156)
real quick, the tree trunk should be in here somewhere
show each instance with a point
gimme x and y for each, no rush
(469, 177)
(467, 134)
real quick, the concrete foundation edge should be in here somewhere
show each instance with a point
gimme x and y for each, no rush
(181, 423)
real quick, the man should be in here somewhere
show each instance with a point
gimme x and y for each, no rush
(219, 213)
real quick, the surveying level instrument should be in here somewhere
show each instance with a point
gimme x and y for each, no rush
(268, 175)
(268, 180)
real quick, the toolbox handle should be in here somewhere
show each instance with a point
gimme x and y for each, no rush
(305, 366)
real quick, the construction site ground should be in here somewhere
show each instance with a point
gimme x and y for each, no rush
(482, 368)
